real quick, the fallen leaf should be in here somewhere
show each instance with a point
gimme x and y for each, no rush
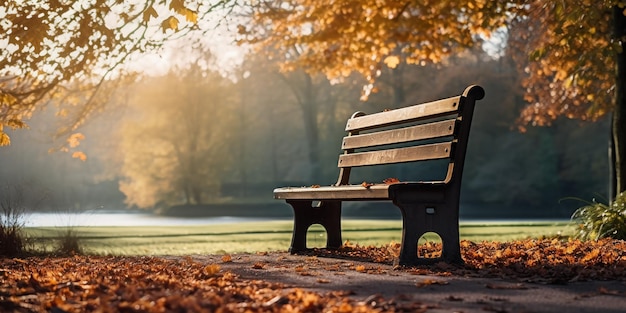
(258, 265)
(428, 282)
(391, 180)
(507, 286)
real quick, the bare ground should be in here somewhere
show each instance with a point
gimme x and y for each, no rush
(420, 289)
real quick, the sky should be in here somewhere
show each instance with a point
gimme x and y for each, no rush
(220, 39)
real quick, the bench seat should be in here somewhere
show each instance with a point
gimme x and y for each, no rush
(347, 192)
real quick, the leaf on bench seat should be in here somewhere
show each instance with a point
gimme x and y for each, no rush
(366, 184)
(391, 180)
(315, 186)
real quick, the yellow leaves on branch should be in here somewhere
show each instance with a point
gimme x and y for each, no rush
(5, 140)
(569, 50)
(149, 13)
(79, 155)
(392, 61)
(169, 23)
(172, 22)
(358, 37)
(74, 140)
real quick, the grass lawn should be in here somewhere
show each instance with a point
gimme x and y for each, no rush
(265, 236)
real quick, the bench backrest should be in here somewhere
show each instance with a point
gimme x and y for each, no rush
(427, 131)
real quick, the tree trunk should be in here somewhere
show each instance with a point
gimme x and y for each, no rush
(612, 177)
(619, 113)
(305, 92)
(309, 110)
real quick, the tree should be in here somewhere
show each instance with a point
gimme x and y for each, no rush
(570, 46)
(566, 47)
(175, 140)
(65, 51)
(343, 37)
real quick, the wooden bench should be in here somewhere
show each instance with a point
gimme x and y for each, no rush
(429, 131)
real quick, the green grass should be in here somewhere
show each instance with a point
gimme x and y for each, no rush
(264, 236)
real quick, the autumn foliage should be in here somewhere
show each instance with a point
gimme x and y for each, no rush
(65, 52)
(157, 284)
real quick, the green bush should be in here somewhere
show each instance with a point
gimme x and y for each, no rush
(598, 220)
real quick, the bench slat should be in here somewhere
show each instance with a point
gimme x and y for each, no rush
(406, 114)
(398, 155)
(413, 133)
(345, 192)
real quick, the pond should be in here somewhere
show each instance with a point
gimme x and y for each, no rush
(122, 218)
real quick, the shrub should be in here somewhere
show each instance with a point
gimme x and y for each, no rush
(11, 221)
(69, 243)
(598, 220)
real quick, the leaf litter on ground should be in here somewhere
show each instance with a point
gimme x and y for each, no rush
(165, 284)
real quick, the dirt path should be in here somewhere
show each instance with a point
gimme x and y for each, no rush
(366, 281)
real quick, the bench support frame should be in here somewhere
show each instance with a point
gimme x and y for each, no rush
(422, 212)
(325, 213)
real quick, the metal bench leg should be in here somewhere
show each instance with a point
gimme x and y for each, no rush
(419, 219)
(410, 236)
(451, 243)
(327, 214)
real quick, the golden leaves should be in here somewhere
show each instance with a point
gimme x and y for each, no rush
(392, 61)
(568, 61)
(169, 23)
(149, 13)
(79, 155)
(5, 140)
(355, 37)
(74, 140)
(179, 7)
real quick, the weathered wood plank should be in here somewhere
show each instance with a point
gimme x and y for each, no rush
(406, 114)
(344, 192)
(398, 155)
(413, 133)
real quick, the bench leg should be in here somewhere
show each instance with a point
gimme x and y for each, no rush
(419, 219)
(327, 214)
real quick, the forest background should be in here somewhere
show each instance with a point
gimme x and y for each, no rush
(249, 138)
(198, 135)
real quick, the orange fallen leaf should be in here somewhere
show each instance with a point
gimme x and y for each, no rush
(366, 184)
(428, 282)
(391, 180)
(212, 269)
(258, 265)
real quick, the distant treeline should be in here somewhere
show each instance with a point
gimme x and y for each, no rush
(286, 129)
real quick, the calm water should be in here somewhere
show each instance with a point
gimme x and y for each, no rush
(121, 218)
(124, 219)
